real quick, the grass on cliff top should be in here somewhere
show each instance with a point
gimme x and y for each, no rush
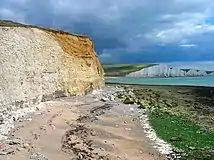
(184, 135)
(123, 69)
(8, 23)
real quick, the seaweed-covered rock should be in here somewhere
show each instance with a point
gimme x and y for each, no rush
(175, 139)
(128, 101)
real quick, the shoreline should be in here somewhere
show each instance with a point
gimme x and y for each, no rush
(160, 77)
(158, 85)
(180, 115)
(175, 81)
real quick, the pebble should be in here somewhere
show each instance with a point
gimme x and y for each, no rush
(3, 153)
(134, 119)
(53, 126)
(38, 108)
(8, 150)
(104, 99)
(112, 98)
(26, 145)
(131, 109)
(1, 146)
(38, 156)
(93, 133)
(2, 137)
(1, 120)
(15, 142)
(29, 119)
(128, 129)
(14, 119)
(21, 120)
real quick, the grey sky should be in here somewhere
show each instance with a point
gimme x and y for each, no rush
(127, 30)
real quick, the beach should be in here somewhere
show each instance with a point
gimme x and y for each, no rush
(90, 127)
(117, 122)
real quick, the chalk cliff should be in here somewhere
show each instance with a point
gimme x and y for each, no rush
(163, 70)
(38, 64)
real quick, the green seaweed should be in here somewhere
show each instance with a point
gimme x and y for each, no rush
(183, 134)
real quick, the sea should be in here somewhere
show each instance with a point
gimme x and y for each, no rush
(180, 81)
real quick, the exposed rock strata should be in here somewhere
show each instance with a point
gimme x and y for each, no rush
(35, 62)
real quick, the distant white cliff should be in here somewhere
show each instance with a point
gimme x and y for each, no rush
(163, 70)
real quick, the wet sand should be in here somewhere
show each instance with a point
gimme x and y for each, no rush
(85, 127)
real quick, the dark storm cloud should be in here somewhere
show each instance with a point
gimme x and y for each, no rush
(126, 29)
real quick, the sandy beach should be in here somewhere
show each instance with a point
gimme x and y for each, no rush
(100, 126)
(94, 126)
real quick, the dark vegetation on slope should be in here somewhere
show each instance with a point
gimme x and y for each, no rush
(182, 116)
(7, 23)
(123, 69)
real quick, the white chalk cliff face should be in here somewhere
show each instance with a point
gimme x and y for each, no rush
(163, 70)
(37, 64)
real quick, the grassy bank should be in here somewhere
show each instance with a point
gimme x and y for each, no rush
(182, 116)
(189, 139)
(123, 69)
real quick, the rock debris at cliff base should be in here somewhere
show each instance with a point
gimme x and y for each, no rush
(37, 62)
